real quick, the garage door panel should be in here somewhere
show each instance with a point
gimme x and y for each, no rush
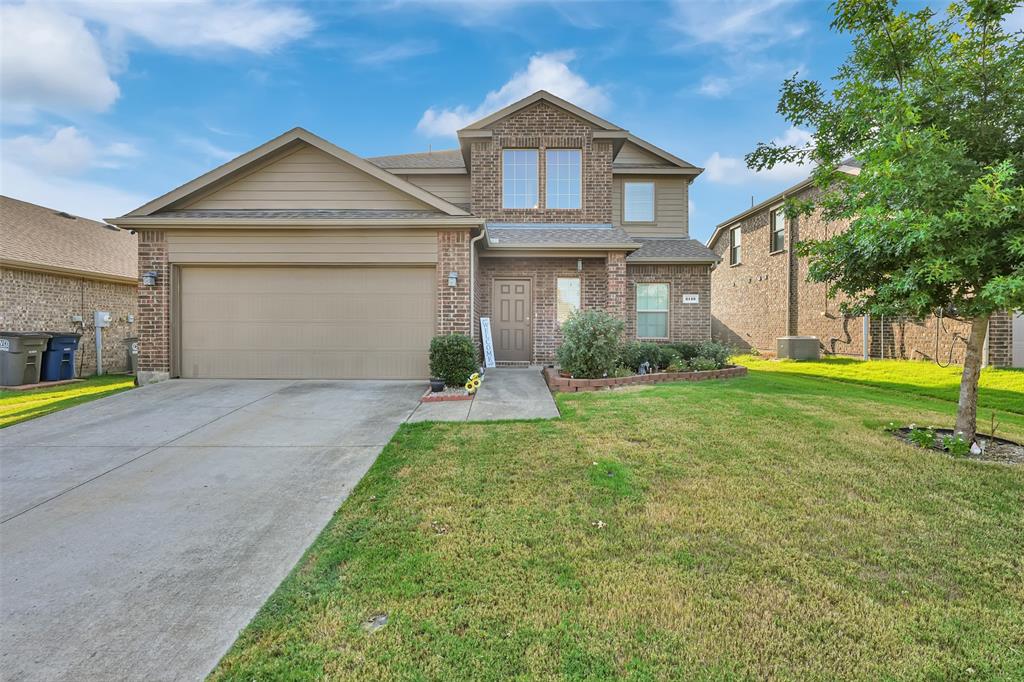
(306, 322)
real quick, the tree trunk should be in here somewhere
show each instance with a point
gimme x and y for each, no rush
(967, 408)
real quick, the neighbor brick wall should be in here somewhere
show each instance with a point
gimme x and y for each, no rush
(687, 321)
(543, 274)
(39, 301)
(453, 302)
(1000, 340)
(154, 304)
(768, 296)
(542, 126)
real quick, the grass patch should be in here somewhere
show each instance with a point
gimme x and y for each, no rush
(1000, 389)
(19, 406)
(763, 527)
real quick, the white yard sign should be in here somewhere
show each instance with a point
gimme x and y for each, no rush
(485, 336)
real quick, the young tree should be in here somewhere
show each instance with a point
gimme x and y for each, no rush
(931, 108)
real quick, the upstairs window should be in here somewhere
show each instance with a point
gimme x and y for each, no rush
(735, 246)
(638, 202)
(519, 178)
(568, 297)
(778, 230)
(563, 178)
(652, 311)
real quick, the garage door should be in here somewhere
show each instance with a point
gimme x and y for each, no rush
(305, 322)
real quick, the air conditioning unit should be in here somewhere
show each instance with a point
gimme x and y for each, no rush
(798, 348)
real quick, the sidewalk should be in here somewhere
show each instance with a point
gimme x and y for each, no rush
(506, 393)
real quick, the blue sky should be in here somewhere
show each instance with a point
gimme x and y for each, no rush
(107, 105)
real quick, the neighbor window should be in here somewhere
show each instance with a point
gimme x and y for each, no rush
(638, 202)
(735, 245)
(568, 297)
(563, 178)
(778, 226)
(519, 175)
(652, 311)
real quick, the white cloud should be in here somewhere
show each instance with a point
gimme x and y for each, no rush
(740, 25)
(65, 152)
(79, 197)
(715, 86)
(549, 72)
(52, 62)
(731, 170)
(397, 52)
(207, 149)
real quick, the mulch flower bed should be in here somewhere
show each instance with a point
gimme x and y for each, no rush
(996, 449)
(562, 384)
(449, 393)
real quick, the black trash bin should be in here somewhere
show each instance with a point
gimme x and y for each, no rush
(132, 344)
(59, 358)
(21, 357)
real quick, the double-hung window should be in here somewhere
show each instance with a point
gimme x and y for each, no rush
(735, 246)
(778, 229)
(519, 178)
(638, 202)
(563, 178)
(568, 291)
(652, 311)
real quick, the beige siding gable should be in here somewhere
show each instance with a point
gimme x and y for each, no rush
(307, 178)
(632, 155)
(450, 187)
(671, 206)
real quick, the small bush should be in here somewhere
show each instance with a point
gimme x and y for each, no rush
(719, 352)
(922, 437)
(956, 445)
(702, 364)
(636, 353)
(621, 371)
(687, 351)
(590, 344)
(452, 358)
(668, 357)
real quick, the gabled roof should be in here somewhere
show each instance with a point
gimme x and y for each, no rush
(536, 97)
(294, 136)
(658, 151)
(441, 160)
(34, 237)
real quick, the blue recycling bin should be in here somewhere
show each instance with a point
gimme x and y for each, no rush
(59, 357)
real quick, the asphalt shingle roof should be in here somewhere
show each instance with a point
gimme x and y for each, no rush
(304, 213)
(672, 250)
(440, 159)
(504, 235)
(37, 235)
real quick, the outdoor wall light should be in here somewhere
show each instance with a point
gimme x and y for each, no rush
(149, 278)
(453, 278)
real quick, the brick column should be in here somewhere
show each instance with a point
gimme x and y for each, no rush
(453, 302)
(1000, 332)
(616, 266)
(154, 321)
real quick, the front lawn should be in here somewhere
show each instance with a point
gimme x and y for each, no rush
(763, 527)
(19, 406)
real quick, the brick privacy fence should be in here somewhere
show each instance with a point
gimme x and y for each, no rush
(453, 302)
(542, 126)
(768, 296)
(154, 305)
(39, 301)
(567, 385)
(687, 321)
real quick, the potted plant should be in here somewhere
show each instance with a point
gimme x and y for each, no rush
(436, 385)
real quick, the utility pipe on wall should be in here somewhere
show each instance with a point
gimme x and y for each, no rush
(472, 282)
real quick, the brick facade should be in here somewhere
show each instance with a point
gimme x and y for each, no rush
(154, 308)
(542, 126)
(453, 302)
(768, 296)
(687, 321)
(40, 301)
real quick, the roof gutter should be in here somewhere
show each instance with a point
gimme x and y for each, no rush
(152, 223)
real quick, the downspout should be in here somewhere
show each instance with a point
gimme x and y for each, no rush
(472, 281)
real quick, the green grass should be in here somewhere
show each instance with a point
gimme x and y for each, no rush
(19, 406)
(763, 527)
(1000, 389)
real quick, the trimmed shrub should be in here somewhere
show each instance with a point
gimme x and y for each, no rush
(669, 357)
(635, 353)
(702, 364)
(452, 358)
(687, 351)
(718, 352)
(590, 344)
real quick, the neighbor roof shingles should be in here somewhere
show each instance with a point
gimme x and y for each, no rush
(681, 250)
(36, 235)
(441, 159)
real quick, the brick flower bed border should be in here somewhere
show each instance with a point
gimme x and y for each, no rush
(431, 397)
(565, 385)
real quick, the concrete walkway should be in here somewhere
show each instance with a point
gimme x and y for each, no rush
(506, 393)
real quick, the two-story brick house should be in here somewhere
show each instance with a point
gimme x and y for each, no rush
(299, 259)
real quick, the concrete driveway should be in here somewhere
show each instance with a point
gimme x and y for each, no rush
(141, 532)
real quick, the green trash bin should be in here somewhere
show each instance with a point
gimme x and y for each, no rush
(21, 357)
(132, 344)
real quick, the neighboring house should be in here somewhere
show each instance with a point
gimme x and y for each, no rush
(760, 292)
(299, 259)
(55, 267)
